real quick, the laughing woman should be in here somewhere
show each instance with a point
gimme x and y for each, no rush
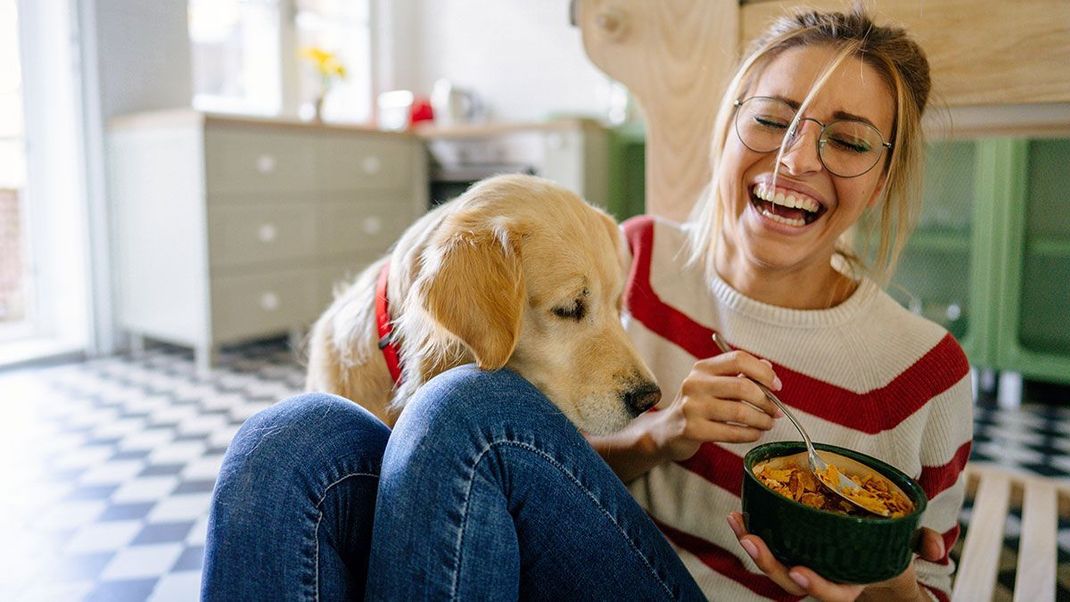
(819, 127)
(483, 490)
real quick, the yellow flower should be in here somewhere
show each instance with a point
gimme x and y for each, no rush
(325, 62)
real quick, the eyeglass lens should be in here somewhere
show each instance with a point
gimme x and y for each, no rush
(847, 148)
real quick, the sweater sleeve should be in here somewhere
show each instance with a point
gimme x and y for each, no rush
(945, 448)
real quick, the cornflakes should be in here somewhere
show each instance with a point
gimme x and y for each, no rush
(874, 492)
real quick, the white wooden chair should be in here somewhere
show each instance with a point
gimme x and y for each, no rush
(994, 491)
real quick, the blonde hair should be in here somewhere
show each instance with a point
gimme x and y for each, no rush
(902, 65)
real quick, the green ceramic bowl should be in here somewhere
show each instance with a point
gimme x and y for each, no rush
(845, 549)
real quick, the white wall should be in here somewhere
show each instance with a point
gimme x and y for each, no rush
(521, 56)
(135, 56)
(143, 55)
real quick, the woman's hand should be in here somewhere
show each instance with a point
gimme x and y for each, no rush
(716, 403)
(801, 581)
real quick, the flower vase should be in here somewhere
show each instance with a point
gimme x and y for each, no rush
(317, 109)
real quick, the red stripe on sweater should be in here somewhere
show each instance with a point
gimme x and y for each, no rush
(871, 412)
(722, 561)
(935, 479)
(718, 466)
(939, 593)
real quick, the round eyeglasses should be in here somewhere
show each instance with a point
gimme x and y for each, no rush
(848, 148)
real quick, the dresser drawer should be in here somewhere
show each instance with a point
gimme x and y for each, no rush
(339, 276)
(246, 234)
(352, 227)
(260, 304)
(345, 164)
(251, 162)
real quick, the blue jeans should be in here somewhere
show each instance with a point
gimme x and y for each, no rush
(483, 490)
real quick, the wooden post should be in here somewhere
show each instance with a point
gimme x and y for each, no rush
(675, 56)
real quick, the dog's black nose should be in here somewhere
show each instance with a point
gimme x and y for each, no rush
(642, 398)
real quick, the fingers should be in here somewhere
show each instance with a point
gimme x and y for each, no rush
(764, 559)
(702, 383)
(798, 581)
(931, 545)
(821, 588)
(740, 363)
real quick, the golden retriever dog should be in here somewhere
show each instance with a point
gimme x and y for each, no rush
(516, 272)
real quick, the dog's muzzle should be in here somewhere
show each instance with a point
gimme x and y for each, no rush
(642, 398)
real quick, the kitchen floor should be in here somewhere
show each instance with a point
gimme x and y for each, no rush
(109, 467)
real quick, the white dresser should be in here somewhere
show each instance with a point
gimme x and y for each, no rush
(231, 229)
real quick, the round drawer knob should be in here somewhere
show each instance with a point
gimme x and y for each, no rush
(372, 165)
(267, 233)
(372, 225)
(269, 302)
(265, 164)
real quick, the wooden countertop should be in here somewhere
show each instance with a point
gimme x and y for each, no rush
(429, 131)
(190, 117)
(425, 131)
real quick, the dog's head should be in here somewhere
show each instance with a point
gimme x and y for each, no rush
(525, 274)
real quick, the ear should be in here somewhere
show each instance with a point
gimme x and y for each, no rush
(473, 286)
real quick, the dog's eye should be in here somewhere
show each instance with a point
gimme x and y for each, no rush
(575, 312)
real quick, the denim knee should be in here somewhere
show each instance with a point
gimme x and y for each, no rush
(292, 509)
(305, 433)
(467, 398)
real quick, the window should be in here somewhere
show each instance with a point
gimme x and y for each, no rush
(15, 306)
(245, 56)
(342, 27)
(235, 55)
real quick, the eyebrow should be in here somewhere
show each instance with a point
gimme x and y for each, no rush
(836, 116)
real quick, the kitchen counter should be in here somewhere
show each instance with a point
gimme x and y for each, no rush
(429, 131)
(191, 117)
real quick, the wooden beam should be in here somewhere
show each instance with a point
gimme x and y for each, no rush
(675, 56)
(981, 52)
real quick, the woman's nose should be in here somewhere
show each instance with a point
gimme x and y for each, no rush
(801, 154)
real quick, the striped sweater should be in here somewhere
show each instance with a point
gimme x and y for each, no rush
(866, 375)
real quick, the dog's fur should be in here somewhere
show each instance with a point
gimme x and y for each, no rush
(516, 272)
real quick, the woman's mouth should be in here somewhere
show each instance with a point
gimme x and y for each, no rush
(785, 206)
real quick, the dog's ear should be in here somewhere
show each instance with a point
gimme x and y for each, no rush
(473, 286)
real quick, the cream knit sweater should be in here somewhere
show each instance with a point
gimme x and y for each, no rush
(866, 375)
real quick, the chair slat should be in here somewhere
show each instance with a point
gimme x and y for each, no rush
(976, 578)
(1037, 552)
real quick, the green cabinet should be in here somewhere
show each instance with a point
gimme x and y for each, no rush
(626, 190)
(990, 259)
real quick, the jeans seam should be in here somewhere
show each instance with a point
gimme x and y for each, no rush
(570, 476)
(316, 530)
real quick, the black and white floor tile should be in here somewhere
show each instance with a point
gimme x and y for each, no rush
(109, 466)
(114, 463)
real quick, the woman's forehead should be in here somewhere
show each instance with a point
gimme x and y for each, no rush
(854, 88)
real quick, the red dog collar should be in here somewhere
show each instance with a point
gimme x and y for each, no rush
(386, 329)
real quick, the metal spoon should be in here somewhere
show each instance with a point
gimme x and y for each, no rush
(817, 465)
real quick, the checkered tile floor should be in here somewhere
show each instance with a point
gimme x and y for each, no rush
(109, 465)
(114, 462)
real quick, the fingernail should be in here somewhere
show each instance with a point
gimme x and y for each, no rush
(779, 413)
(766, 362)
(777, 385)
(799, 580)
(750, 548)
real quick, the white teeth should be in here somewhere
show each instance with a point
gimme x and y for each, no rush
(783, 220)
(787, 200)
